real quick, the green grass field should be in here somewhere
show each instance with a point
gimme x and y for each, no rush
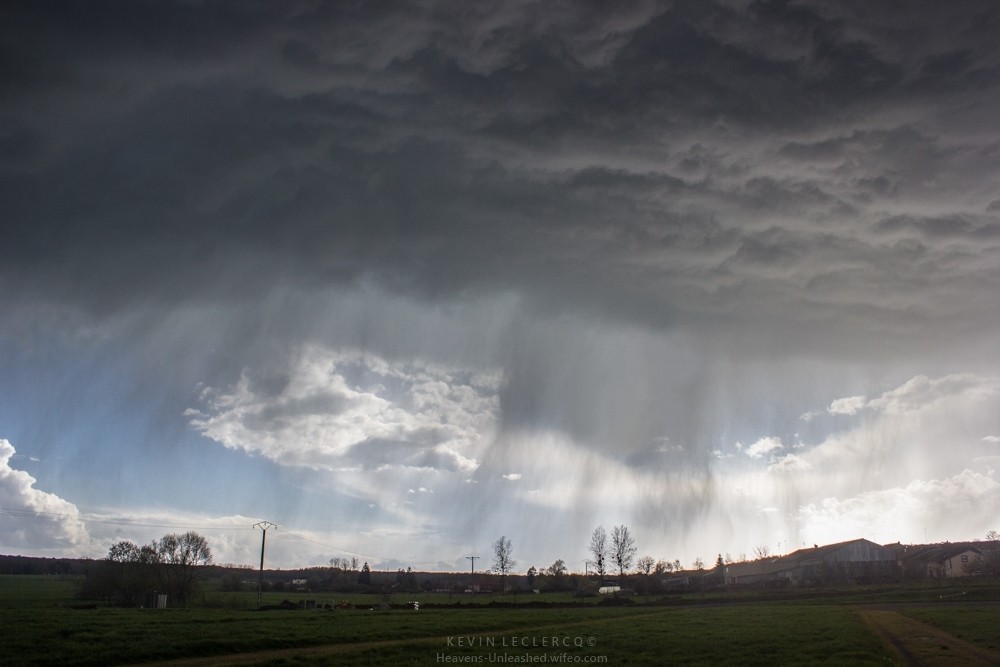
(977, 624)
(45, 624)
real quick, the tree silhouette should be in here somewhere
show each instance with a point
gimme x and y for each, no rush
(623, 548)
(599, 550)
(180, 556)
(503, 560)
(645, 565)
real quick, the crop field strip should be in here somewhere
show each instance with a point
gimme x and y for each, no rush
(45, 625)
(740, 634)
(437, 642)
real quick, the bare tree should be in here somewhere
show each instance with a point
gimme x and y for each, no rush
(125, 551)
(663, 567)
(993, 536)
(599, 550)
(622, 548)
(645, 565)
(129, 570)
(555, 574)
(503, 560)
(181, 556)
(557, 569)
(698, 563)
(343, 569)
(761, 552)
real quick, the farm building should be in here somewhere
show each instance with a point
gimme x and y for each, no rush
(941, 561)
(856, 561)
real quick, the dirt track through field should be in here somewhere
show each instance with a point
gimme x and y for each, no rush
(917, 644)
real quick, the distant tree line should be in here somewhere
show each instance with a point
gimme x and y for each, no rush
(40, 565)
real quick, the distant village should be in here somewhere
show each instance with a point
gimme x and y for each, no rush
(862, 561)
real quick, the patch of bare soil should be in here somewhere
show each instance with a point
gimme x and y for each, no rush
(917, 644)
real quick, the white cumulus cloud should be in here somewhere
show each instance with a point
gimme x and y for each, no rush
(35, 521)
(922, 392)
(962, 504)
(764, 446)
(342, 411)
(789, 463)
(847, 406)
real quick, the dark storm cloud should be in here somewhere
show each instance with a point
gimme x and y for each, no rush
(950, 227)
(654, 162)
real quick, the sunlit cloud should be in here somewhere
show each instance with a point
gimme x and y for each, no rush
(764, 446)
(348, 411)
(847, 406)
(923, 393)
(35, 521)
(789, 463)
(953, 504)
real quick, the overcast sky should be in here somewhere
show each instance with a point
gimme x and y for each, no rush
(405, 277)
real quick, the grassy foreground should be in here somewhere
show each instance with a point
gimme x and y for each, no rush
(45, 625)
(975, 624)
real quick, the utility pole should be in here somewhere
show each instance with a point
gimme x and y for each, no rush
(263, 525)
(472, 571)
